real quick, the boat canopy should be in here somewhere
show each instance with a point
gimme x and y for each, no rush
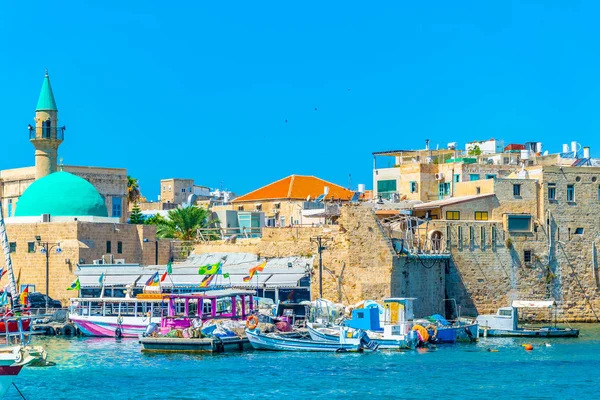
(533, 303)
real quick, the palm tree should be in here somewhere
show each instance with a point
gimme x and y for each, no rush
(183, 223)
(133, 189)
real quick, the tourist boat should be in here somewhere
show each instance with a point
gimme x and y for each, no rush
(114, 316)
(396, 333)
(194, 311)
(346, 342)
(505, 323)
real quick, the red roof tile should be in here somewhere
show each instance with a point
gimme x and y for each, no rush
(297, 187)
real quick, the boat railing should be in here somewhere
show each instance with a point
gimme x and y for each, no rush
(18, 336)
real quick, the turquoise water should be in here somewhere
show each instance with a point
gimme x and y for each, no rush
(90, 369)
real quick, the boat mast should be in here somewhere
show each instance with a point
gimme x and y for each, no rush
(16, 302)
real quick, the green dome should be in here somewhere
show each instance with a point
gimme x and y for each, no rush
(61, 194)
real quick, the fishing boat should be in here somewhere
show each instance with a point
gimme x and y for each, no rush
(396, 333)
(115, 316)
(15, 352)
(346, 342)
(200, 319)
(445, 332)
(505, 323)
(12, 326)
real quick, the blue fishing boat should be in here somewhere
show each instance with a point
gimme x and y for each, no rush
(275, 342)
(443, 331)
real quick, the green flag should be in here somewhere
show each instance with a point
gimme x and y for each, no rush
(75, 285)
(226, 275)
(209, 269)
(169, 268)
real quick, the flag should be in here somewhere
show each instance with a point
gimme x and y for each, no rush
(101, 279)
(247, 278)
(259, 268)
(3, 299)
(207, 280)
(169, 267)
(153, 280)
(19, 280)
(3, 272)
(24, 295)
(164, 276)
(226, 275)
(209, 269)
(75, 285)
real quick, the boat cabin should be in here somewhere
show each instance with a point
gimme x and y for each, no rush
(117, 306)
(507, 318)
(184, 309)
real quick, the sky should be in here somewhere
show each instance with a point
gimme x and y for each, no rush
(239, 94)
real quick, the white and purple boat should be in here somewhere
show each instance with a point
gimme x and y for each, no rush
(114, 316)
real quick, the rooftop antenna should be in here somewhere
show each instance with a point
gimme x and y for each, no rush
(60, 161)
(349, 181)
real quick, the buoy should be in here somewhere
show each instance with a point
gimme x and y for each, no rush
(528, 347)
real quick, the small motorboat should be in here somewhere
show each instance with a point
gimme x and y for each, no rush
(505, 323)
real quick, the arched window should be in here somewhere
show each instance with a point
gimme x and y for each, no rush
(47, 129)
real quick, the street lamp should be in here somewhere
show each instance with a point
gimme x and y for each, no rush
(46, 247)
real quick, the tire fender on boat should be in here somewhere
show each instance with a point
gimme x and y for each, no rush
(68, 330)
(434, 329)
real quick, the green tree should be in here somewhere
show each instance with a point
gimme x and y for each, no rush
(136, 216)
(156, 219)
(183, 223)
(475, 151)
(133, 189)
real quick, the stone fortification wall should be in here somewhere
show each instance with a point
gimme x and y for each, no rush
(359, 262)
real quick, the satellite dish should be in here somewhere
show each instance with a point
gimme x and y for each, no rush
(308, 198)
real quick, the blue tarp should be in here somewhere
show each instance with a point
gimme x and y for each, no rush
(441, 320)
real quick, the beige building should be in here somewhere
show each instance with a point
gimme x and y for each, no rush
(179, 191)
(295, 200)
(46, 136)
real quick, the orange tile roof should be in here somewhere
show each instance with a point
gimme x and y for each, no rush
(297, 187)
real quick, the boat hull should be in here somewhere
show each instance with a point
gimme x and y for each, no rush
(186, 345)
(319, 334)
(107, 326)
(531, 333)
(13, 326)
(273, 343)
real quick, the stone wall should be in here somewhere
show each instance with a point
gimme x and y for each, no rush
(359, 262)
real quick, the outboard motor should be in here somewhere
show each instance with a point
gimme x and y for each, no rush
(367, 343)
(150, 329)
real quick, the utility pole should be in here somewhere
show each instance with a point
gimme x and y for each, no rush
(319, 241)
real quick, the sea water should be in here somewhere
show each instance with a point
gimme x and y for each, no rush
(105, 368)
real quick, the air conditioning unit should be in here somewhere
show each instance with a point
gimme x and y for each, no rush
(45, 217)
(439, 176)
(108, 259)
(97, 262)
(119, 261)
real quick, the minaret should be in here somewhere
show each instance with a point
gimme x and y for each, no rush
(46, 136)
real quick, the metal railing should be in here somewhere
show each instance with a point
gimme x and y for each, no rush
(46, 132)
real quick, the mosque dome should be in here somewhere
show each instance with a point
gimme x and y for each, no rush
(61, 194)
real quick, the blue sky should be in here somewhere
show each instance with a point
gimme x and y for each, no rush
(189, 89)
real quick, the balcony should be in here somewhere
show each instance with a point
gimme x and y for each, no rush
(46, 132)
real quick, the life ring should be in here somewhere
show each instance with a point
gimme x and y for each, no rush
(252, 322)
(434, 329)
(422, 332)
